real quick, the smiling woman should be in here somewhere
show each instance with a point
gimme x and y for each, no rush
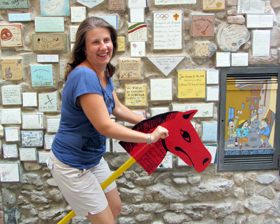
(88, 98)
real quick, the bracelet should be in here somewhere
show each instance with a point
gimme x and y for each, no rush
(149, 139)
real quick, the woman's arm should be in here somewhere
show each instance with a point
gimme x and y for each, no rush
(96, 111)
(123, 113)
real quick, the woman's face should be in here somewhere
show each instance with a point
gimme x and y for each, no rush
(98, 47)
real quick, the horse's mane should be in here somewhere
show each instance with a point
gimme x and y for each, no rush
(147, 125)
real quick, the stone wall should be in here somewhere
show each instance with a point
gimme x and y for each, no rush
(177, 195)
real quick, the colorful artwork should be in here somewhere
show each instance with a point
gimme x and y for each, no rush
(191, 84)
(182, 141)
(137, 32)
(250, 125)
(41, 75)
(11, 35)
(12, 69)
(49, 42)
(203, 25)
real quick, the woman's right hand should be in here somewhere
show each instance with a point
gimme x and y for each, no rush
(159, 132)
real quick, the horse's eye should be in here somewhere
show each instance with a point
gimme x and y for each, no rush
(186, 136)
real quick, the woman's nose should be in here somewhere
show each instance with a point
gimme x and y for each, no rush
(103, 45)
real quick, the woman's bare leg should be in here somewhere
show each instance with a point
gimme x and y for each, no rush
(104, 217)
(114, 201)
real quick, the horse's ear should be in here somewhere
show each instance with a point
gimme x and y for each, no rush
(189, 114)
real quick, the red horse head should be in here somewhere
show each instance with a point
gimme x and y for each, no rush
(183, 141)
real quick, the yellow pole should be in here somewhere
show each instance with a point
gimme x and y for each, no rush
(105, 184)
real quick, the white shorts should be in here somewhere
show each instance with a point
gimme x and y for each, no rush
(81, 188)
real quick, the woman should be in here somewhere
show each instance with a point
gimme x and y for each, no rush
(88, 99)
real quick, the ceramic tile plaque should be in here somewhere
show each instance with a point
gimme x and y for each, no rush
(11, 35)
(78, 14)
(191, 84)
(174, 2)
(90, 3)
(29, 99)
(9, 172)
(42, 157)
(41, 75)
(32, 138)
(121, 43)
(203, 25)
(48, 142)
(49, 24)
(28, 154)
(201, 49)
(261, 43)
(14, 4)
(12, 68)
(53, 124)
(116, 147)
(166, 64)
(137, 15)
(12, 134)
(136, 95)
(49, 42)
(130, 68)
(137, 3)
(137, 32)
(250, 6)
(10, 151)
(10, 116)
(167, 30)
(111, 19)
(32, 121)
(259, 20)
(48, 102)
(19, 17)
(137, 49)
(161, 89)
(213, 4)
(45, 58)
(158, 110)
(73, 31)
(54, 7)
(231, 37)
(203, 109)
(11, 95)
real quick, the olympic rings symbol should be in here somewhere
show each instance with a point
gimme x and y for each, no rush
(162, 16)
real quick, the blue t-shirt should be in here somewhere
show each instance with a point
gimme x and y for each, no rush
(77, 143)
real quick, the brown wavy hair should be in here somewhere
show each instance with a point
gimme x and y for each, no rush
(78, 55)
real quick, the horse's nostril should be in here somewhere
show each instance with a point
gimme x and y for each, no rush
(205, 161)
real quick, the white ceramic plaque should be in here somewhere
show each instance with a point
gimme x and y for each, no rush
(11, 116)
(203, 109)
(166, 64)
(32, 121)
(167, 30)
(161, 89)
(11, 95)
(10, 151)
(29, 99)
(9, 172)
